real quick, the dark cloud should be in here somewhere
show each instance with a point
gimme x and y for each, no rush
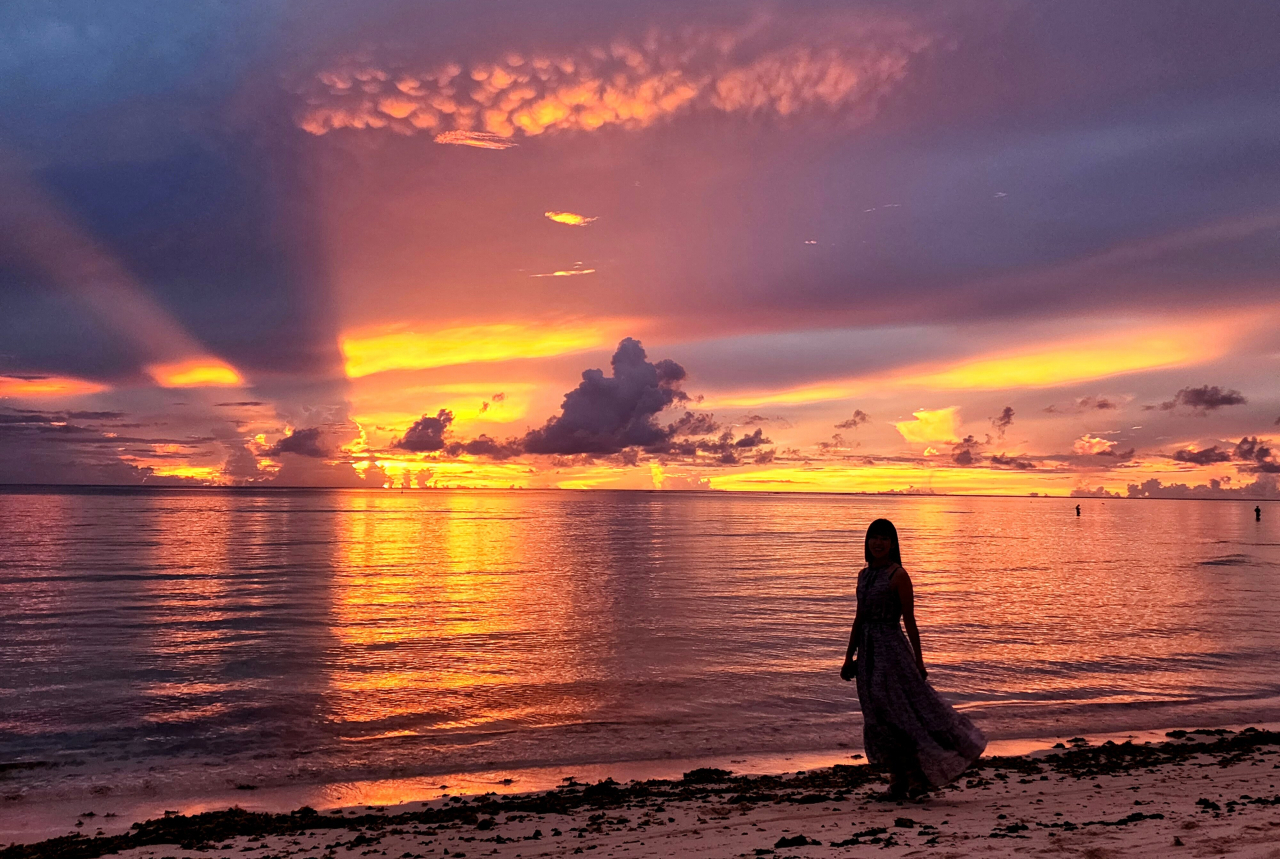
(694, 423)
(606, 414)
(725, 449)
(1257, 453)
(966, 451)
(1208, 456)
(483, 445)
(303, 442)
(244, 403)
(858, 419)
(427, 433)
(1004, 421)
(1202, 400)
(1252, 449)
(1021, 463)
(1118, 455)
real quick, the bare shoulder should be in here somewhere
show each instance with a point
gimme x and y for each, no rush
(900, 576)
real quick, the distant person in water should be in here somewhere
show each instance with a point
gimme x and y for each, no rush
(1077, 509)
(1257, 513)
(908, 730)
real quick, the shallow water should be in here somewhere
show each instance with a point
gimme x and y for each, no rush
(191, 641)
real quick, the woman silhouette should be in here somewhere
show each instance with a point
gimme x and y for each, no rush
(908, 730)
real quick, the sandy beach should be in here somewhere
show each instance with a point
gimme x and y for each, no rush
(1199, 793)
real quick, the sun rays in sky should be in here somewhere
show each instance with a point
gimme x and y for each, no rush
(861, 248)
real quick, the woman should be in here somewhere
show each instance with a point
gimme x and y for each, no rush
(907, 729)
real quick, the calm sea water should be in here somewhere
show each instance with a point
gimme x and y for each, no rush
(164, 640)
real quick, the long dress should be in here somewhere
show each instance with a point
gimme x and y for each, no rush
(907, 727)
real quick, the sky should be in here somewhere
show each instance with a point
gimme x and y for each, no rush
(955, 247)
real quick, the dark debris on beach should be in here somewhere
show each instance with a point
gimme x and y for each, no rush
(707, 785)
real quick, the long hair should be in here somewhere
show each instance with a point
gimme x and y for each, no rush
(882, 528)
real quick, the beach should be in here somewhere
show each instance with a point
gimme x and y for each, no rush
(1197, 793)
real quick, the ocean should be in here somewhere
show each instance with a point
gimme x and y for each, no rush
(326, 646)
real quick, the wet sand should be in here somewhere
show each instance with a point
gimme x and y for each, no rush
(1195, 794)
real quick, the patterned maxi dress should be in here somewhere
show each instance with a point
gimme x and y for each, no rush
(906, 726)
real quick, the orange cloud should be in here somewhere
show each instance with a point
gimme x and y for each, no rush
(478, 139)
(195, 373)
(376, 350)
(570, 218)
(1088, 444)
(628, 84)
(47, 386)
(568, 272)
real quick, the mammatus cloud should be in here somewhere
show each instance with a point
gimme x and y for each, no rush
(859, 418)
(1202, 400)
(1004, 421)
(1088, 444)
(627, 83)
(303, 442)
(571, 219)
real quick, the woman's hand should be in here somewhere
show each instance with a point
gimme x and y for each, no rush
(848, 670)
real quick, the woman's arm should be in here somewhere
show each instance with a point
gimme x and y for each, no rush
(846, 670)
(906, 595)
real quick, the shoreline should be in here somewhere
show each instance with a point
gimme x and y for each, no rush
(1131, 797)
(28, 816)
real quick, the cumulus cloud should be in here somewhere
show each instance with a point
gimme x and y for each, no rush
(427, 433)
(1208, 456)
(303, 442)
(626, 83)
(1264, 487)
(1202, 400)
(1118, 455)
(1089, 444)
(858, 419)
(606, 414)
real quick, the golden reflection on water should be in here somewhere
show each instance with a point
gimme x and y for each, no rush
(467, 594)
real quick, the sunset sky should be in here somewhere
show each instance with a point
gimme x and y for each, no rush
(954, 247)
